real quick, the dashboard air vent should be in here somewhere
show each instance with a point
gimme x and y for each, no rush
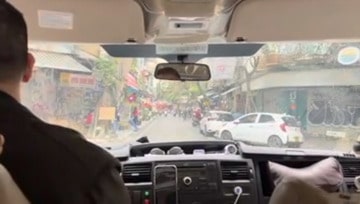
(349, 155)
(137, 173)
(351, 168)
(235, 171)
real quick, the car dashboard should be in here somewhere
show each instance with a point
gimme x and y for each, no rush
(215, 171)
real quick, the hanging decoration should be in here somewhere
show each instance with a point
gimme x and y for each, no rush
(132, 82)
(132, 98)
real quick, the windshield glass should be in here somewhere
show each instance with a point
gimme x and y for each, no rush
(303, 94)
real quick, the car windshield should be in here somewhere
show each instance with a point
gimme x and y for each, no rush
(115, 101)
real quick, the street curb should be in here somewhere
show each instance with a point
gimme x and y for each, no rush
(143, 128)
(130, 136)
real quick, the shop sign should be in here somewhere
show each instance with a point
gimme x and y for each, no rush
(77, 80)
(107, 113)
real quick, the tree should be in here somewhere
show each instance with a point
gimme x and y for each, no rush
(176, 91)
(106, 71)
(194, 89)
(172, 91)
(249, 103)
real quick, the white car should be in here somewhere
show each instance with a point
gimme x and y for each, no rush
(271, 129)
(213, 121)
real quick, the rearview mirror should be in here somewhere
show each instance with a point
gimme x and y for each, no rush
(182, 72)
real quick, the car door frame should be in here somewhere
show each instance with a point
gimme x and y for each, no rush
(202, 122)
(242, 130)
(264, 130)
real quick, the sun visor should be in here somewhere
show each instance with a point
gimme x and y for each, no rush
(292, 20)
(91, 21)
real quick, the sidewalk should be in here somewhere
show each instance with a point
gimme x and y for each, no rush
(122, 137)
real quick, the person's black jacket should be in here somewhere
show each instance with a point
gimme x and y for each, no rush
(53, 164)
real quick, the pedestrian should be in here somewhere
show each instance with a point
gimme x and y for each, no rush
(89, 121)
(134, 119)
(137, 116)
(116, 122)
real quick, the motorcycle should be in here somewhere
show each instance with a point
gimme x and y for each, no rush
(196, 117)
(184, 115)
(195, 121)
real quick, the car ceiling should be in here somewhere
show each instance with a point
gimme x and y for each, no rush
(189, 21)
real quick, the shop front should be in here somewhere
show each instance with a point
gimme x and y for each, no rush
(39, 95)
(77, 96)
(291, 101)
(326, 101)
(79, 92)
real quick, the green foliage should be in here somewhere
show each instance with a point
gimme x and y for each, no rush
(171, 91)
(106, 71)
(176, 91)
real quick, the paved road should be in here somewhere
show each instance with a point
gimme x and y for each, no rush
(170, 128)
(329, 144)
(167, 129)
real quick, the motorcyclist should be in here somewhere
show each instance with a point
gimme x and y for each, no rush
(198, 114)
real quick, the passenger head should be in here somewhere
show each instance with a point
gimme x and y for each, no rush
(16, 64)
(168, 73)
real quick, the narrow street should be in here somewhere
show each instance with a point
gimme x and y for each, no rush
(170, 129)
(166, 129)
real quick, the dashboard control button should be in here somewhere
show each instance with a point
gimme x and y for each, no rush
(146, 201)
(231, 149)
(238, 190)
(187, 181)
(136, 196)
(146, 193)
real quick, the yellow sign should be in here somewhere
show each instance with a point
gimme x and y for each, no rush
(107, 113)
(65, 78)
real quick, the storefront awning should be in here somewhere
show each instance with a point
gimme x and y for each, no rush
(58, 61)
(307, 78)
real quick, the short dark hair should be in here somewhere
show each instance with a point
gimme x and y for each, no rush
(13, 42)
(169, 70)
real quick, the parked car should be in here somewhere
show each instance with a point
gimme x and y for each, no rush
(213, 121)
(237, 115)
(271, 129)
